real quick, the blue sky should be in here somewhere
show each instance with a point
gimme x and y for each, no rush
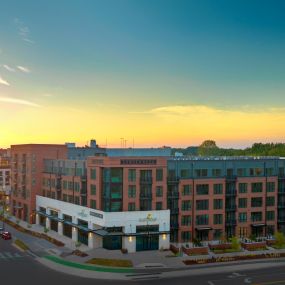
(142, 55)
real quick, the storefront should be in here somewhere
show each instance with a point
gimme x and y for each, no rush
(133, 231)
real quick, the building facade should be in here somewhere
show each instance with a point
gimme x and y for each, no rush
(27, 163)
(208, 198)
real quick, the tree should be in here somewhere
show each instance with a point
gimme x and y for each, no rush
(280, 239)
(235, 243)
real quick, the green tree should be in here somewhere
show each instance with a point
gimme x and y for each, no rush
(280, 239)
(235, 243)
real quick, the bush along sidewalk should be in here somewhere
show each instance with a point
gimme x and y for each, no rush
(32, 233)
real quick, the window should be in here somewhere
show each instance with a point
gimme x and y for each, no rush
(270, 201)
(158, 205)
(93, 173)
(281, 171)
(201, 172)
(270, 186)
(64, 197)
(202, 189)
(242, 187)
(270, 215)
(185, 173)
(132, 191)
(185, 236)
(70, 185)
(77, 200)
(131, 206)
(159, 174)
(256, 202)
(64, 184)
(76, 186)
(242, 217)
(241, 172)
(269, 171)
(186, 205)
(159, 191)
(216, 172)
(256, 187)
(93, 189)
(186, 220)
(93, 204)
(218, 219)
(256, 216)
(186, 190)
(255, 172)
(132, 175)
(218, 204)
(202, 204)
(218, 189)
(202, 220)
(242, 202)
(217, 234)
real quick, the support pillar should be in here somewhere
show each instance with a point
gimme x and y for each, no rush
(37, 219)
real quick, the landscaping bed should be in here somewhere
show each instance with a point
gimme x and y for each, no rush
(195, 250)
(110, 262)
(254, 246)
(79, 253)
(234, 258)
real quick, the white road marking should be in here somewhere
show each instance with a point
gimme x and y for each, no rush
(211, 283)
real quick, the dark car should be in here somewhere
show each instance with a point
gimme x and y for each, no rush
(6, 235)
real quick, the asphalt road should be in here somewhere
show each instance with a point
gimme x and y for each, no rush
(17, 267)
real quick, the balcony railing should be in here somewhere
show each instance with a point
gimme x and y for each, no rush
(174, 211)
(231, 177)
(173, 180)
(231, 222)
(145, 180)
(173, 195)
(231, 193)
(145, 196)
(231, 207)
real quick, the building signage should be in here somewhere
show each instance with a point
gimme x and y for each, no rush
(149, 218)
(82, 214)
(97, 215)
(138, 161)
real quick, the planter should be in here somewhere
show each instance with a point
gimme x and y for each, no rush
(270, 242)
(221, 246)
(195, 250)
(254, 245)
(174, 249)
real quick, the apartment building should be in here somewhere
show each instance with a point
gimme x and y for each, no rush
(5, 177)
(27, 163)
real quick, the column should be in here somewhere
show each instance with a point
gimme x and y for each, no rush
(48, 219)
(129, 242)
(74, 230)
(60, 225)
(164, 238)
(37, 219)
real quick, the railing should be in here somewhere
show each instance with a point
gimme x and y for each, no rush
(145, 195)
(231, 207)
(173, 195)
(174, 211)
(231, 177)
(231, 193)
(146, 180)
(231, 222)
(173, 180)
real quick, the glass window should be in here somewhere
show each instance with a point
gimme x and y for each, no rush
(186, 190)
(256, 187)
(186, 220)
(270, 215)
(158, 205)
(218, 189)
(202, 219)
(93, 204)
(202, 189)
(186, 205)
(216, 172)
(202, 204)
(270, 201)
(218, 204)
(132, 206)
(185, 236)
(242, 187)
(132, 191)
(256, 202)
(93, 173)
(93, 189)
(218, 219)
(159, 191)
(159, 174)
(201, 172)
(241, 172)
(256, 216)
(242, 202)
(242, 217)
(270, 186)
(131, 175)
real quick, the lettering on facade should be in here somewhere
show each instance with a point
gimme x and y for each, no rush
(149, 218)
(97, 215)
(82, 214)
(138, 161)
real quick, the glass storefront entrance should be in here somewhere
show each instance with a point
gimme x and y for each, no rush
(82, 233)
(148, 240)
(67, 228)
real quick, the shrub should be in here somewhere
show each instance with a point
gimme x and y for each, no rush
(46, 229)
(124, 250)
(280, 240)
(111, 262)
(235, 243)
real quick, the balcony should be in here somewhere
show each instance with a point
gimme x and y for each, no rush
(281, 206)
(174, 226)
(83, 178)
(231, 193)
(145, 180)
(231, 178)
(281, 220)
(231, 207)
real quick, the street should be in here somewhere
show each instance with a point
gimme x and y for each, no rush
(17, 267)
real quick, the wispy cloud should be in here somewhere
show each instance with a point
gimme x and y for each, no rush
(9, 68)
(23, 69)
(18, 101)
(4, 82)
(23, 31)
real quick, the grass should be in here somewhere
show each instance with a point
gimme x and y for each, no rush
(110, 262)
(21, 244)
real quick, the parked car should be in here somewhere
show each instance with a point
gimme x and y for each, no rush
(6, 235)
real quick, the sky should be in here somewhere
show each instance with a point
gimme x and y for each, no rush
(154, 72)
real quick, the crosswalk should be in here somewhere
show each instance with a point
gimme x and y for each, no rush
(10, 255)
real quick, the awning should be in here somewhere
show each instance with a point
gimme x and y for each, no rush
(100, 232)
(203, 228)
(49, 216)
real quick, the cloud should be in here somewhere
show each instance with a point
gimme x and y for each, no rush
(47, 95)
(23, 69)
(18, 101)
(4, 82)
(23, 31)
(9, 68)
